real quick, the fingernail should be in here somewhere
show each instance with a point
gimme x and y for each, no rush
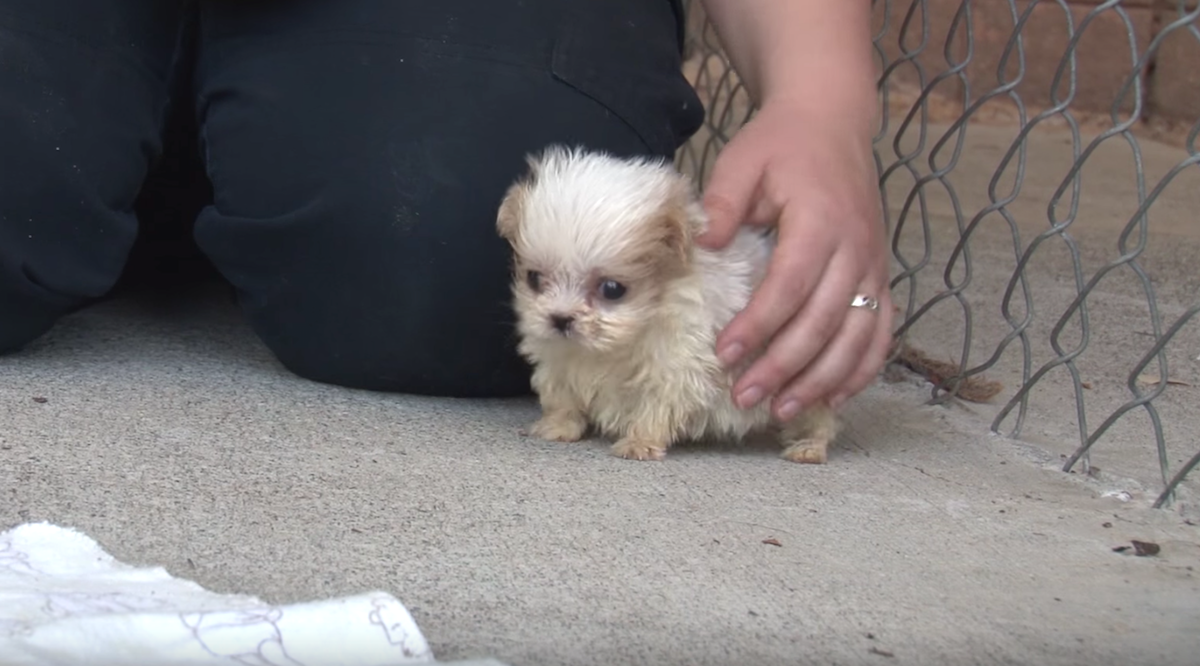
(731, 354)
(789, 410)
(750, 397)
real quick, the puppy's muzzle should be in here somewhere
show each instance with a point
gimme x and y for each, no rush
(562, 323)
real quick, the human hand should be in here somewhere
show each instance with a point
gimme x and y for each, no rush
(811, 174)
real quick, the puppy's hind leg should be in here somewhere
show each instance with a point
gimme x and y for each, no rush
(647, 440)
(560, 425)
(806, 438)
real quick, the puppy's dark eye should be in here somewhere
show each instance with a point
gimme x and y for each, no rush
(534, 280)
(612, 290)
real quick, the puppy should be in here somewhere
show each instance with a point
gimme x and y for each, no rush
(618, 310)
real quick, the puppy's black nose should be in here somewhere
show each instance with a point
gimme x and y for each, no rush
(561, 323)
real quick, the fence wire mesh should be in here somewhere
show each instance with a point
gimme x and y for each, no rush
(1038, 165)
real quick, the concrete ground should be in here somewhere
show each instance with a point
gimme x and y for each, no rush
(169, 434)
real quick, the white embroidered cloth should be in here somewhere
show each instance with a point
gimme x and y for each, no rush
(64, 601)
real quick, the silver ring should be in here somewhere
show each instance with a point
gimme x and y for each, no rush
(864, 301)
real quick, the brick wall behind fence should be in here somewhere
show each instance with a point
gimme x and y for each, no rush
(1107, 52)
(1105, 56)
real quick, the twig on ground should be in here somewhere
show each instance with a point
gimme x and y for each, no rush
(943, 373)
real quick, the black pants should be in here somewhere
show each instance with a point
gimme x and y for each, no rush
(352, 156)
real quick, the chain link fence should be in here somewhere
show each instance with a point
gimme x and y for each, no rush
(1038, 165)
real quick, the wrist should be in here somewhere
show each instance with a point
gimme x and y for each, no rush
(810, 55)
(839, 85)
(831, 105)
(819, 100)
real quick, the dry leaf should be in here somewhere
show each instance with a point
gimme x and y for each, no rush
(772, 542)
(1140, 548)
(1151, 380)
(1145, 548)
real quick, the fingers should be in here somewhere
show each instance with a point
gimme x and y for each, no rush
(848, 365)
(764, 214)
(790, 278)
(872, 362)
(802, 339)
(829, 369)
(730, 195)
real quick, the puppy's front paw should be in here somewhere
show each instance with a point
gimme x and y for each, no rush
(634, 448)
(559, 427)
(808, 451)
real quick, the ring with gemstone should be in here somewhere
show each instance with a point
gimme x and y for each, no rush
(864, 301)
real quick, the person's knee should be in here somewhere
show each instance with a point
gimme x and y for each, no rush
(22, 321)
(61, 245)
(376, 291)
(78, 128)
(365, 251)
(406, 346)
(387, 323)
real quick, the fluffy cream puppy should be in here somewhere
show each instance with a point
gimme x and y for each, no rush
(618, 310)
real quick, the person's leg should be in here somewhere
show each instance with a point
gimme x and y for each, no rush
(359, 150)
(84, 92)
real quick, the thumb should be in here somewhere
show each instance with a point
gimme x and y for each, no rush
(728, 197)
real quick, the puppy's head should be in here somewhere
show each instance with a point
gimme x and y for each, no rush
(596, 242)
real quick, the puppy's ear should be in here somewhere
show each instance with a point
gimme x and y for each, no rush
(677, 226)
(512, 209)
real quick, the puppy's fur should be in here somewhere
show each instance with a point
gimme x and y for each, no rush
(618, 310)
